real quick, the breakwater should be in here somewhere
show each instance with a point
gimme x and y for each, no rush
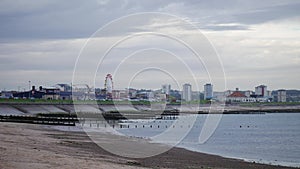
(58, 120)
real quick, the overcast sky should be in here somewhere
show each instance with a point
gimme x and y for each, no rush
(258, 42)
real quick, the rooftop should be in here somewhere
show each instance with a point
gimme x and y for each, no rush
(237, 94)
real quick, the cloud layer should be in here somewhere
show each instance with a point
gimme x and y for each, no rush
(258, 41)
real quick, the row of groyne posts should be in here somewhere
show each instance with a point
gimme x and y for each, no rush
(71, 120)
(162, 122)
(153, 123)
(51, 120)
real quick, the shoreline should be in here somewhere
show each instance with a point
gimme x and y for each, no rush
(264, 162)
(74, 148)
(259, 161)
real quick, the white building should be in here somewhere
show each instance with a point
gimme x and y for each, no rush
(261, 90)
(166, 89)
(281, 96)
(187, 92)
(238, 96)
(208, 91)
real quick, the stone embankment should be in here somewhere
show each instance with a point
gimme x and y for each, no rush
(154, 109)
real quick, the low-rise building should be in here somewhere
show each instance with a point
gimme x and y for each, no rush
(64, 87)
(31, 94)
(50, 93)
(238, 96)
(6, 94)
(145, 95)
(219, 96)
(175, 96)
(235, 97)
(65, 95)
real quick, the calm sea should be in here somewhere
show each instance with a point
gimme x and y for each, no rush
(272, 138)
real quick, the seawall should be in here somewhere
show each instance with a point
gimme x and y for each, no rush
(33, 109)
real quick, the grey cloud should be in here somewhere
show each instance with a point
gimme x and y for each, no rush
(222, 28)
(80, 19)
(58, 20)
(208, 13)
(25, 23)
(269, 14)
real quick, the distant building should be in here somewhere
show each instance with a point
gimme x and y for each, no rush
(145, 95)
(187, 92)
(269, 93)
(238, 96)
(208, 91)
(174, 96)
(79, 96)
(6, 94)
(293, 95)
(262, 94)
(124, 95)
(132, 93)
(219, 96)
(65, 95)
(281, 96)
(50, 93)
(161, 97)
(248, 93)
(33, 93)
(64, 87)
(116, 94)
(195, 95)
(261, 91)
(120, 95)
(166, 88)
(100, 94)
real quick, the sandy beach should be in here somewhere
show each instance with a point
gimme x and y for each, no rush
(36, 146)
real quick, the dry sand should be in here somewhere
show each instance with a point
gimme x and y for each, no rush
(35, 146)
(29, 146)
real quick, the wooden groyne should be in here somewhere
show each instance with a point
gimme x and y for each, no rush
(65, 121)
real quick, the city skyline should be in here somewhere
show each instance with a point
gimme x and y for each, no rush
(258, 42)
(165, 88)
(165, 93)
(158, 87)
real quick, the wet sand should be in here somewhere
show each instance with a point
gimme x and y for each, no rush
(36, 146)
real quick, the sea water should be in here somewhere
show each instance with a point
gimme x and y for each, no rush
(272, 138)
